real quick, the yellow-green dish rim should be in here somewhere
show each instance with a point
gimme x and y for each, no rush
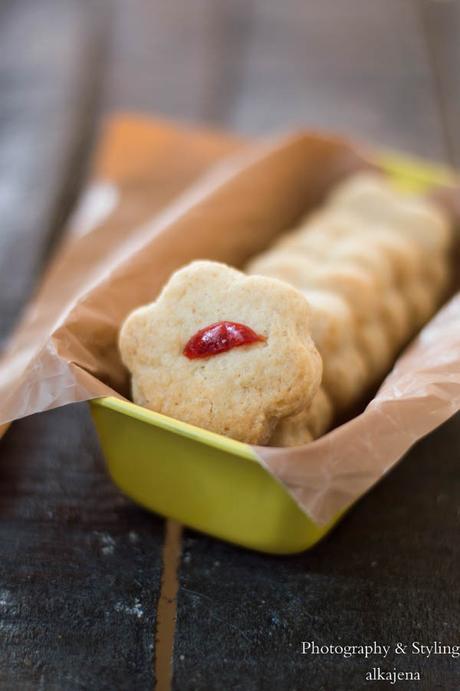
(170, 424)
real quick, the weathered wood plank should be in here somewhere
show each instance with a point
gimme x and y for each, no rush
(50, 57)
(164, 59)
(388, 573)
(80, 567)
(358, 67)
(441, 25)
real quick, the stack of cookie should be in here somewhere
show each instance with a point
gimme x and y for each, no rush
(374, 266)
(275, 358)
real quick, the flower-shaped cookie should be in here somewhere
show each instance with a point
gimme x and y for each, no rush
(223, 351)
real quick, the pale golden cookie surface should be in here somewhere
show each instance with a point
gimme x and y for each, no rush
(309, 424)
(243, 392)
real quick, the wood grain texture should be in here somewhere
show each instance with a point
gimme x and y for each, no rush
(182, 60)
(80, 567)
(50, 57)
(80, 574)
(388, 572)
(356, 66)
(257, 66)
(441, 25)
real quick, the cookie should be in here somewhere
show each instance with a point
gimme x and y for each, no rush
(402, 252)
(320, 414)
(408, 265)
(329, 221)
(393, 307)
(282, 264)
(308, 243)
(422, 301)
(421, 284)
(351, 251)
(293, 432)
(396, 316)
(309, 424)
(354, 251)
(436, 275)
(345, 372)
(365, 194)
(332, 321)
(375, 345)
(354, 284)
(373, 197)
(346, 377)
(342, 250)
(223, 351)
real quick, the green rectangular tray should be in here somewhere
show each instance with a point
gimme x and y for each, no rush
(209, 482)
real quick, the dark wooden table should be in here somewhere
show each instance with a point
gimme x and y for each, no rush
(90, 585)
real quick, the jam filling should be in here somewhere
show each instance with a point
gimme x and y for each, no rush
(218, 338)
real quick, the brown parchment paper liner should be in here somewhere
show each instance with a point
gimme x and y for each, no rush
(157, 201)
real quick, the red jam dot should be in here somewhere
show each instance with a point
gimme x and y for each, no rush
(218, 338)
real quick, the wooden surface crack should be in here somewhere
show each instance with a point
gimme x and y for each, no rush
(167, 606)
